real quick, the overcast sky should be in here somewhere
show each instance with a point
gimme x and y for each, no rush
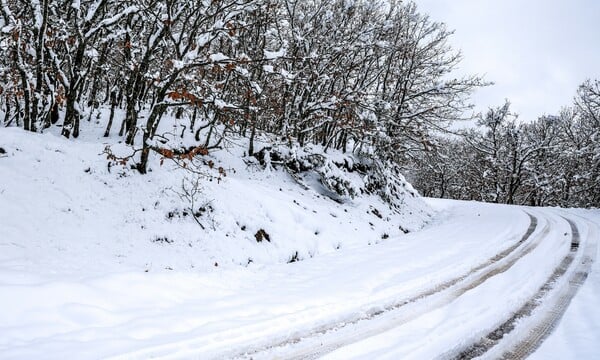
(536, 51)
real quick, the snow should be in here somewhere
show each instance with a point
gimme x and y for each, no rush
(270, 55)
(578, 334)
(84, 273)
(468, 317)
(84, 209)
(134, 311)
(218, 57)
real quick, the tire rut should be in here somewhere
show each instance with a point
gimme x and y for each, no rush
(539, 333)
(546, 325)
(478, 275)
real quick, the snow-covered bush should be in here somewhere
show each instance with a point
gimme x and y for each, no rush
(347, 176)
(336, 179)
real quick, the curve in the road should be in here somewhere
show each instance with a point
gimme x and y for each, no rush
(455, 288)
(545, 324)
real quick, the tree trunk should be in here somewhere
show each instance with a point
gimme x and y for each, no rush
(7, 112)
(72, 115)
(251, 145)
(113, 105)
(151, 126)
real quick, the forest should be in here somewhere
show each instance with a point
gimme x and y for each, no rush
(552, 161)
(375, 79)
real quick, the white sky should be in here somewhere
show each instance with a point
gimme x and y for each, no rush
(535, 51)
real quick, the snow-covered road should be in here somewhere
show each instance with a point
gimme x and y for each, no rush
(450, 291)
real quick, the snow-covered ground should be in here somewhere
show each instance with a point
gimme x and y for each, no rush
(62, 206)
(578, 334)
(84, 274)
(448, 331)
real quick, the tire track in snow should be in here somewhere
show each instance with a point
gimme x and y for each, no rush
(499, 263)
(558, 304)
(544, 326)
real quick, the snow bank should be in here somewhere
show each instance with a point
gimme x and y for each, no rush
(61, 205)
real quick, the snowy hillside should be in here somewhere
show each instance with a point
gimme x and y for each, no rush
(289, 179)
(103, 263)
(62, 206)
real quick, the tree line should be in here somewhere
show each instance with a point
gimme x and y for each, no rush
(369, 78)
(553, 161)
